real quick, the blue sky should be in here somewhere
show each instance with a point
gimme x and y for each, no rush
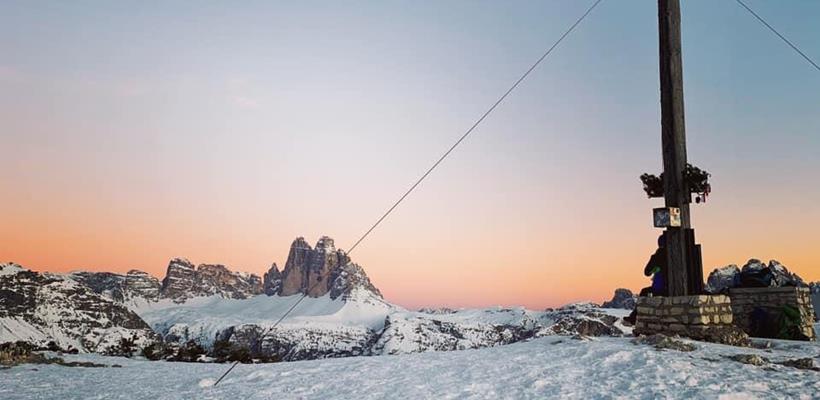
(138, 131)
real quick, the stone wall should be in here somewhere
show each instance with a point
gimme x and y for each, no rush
(683, 315)
(758, 311)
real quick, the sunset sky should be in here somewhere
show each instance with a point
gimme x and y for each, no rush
(135, 132)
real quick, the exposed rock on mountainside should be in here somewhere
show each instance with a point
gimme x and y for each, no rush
(437, 310)
(141, 284)
(272, 281)
(15, 353)
(364, 324)
(183, 281)
(345, 279)
(309, 270)
(217, 279)
(584, 319)
(43, 308)
(623, 298)
(472, 329)
(420, 333)
(179, 279)
(292, 344)
(120, 288)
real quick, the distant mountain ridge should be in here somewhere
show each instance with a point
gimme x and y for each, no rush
(94, 311)
(212, 306)
(343, 315)
(308, 270)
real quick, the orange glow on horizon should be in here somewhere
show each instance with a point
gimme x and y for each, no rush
(450, 273)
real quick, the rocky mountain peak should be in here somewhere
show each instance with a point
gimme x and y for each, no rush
(315, 271)
(141, 284)
(183, 281)
(120, 288)
(179, 279)
(321, 270)
(213, 269)
(300, 243)
(623, 298)
(211, 279)
(325, 245)
(272, 281)
(180, 263)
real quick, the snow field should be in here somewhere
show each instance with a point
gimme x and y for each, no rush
(550, 367)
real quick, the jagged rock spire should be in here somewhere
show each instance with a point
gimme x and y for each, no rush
(321, 270)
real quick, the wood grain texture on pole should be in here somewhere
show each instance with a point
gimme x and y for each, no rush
(673, 140)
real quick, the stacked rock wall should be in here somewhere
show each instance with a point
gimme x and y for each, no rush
(691, 316)
(759, 311)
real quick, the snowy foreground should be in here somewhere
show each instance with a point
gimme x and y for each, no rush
(549, 367)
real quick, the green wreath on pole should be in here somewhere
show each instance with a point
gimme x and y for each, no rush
(696, 178)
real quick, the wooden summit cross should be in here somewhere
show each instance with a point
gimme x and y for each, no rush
(685, 271)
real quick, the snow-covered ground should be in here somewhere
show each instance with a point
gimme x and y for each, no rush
(550, 367)
(364, 324)
(221, 312)
(316, 323)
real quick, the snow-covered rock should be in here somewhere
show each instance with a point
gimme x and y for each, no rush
(179, 280)
(363, 324)
(409, 332)
(586, 319)
(272, 281)
(724, 278)
(782, 275)
(42, 308)
(437, 310)
(133, 285)
(348, 279)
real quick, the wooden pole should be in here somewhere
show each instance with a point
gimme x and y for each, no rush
(673, 141)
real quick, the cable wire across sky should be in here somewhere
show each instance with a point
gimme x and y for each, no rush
(435, 165)
(787, 41)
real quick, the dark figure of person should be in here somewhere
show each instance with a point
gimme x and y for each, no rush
(656, 267)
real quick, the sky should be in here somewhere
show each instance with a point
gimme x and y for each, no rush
(135, 132)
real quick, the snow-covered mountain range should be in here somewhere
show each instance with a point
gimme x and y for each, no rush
(342, 314)
(56, 311)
